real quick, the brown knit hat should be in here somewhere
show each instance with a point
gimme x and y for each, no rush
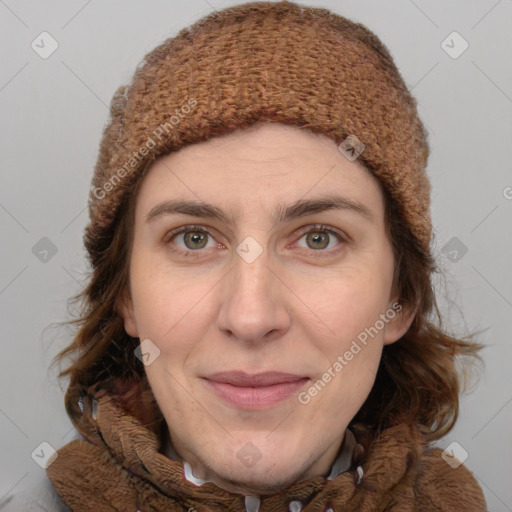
(266, 61)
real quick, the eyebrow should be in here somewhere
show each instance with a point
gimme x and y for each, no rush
(283, 213)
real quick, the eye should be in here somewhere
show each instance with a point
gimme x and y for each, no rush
(195, 239)
(189, 240)
(321, 238)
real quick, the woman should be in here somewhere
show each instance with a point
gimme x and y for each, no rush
(259, 328)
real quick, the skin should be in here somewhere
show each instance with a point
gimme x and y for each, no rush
(296, 308)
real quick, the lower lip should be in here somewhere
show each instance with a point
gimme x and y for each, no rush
(257, 397)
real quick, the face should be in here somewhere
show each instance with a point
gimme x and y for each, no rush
(261, 279)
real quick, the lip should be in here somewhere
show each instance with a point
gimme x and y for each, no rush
(255, 391)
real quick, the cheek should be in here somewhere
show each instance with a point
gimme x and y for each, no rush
(169, 308)
(347, 302)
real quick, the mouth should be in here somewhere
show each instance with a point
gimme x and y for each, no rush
(257, 391)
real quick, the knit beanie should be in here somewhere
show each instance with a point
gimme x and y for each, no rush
(266, 61)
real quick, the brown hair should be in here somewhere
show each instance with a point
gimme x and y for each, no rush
(417, 380)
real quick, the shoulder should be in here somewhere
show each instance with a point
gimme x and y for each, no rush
(441, 487)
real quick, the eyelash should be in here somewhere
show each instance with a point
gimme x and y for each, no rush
(320, 253)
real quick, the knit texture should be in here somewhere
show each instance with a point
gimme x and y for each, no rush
(266, 61)
(117, 466)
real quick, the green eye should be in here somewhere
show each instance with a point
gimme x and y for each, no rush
(195, 239)
(320, 238)
(317, 240)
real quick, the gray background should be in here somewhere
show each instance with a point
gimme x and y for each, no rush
(53, 111)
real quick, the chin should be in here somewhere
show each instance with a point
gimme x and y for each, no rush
(255, 482)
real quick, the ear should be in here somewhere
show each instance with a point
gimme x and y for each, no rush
(124, 308)
(398, 325)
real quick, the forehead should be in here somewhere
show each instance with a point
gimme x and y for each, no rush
(258, 168)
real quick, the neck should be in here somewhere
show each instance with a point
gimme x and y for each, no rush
(264, 483)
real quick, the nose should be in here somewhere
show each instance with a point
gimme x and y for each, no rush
(253, 306)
